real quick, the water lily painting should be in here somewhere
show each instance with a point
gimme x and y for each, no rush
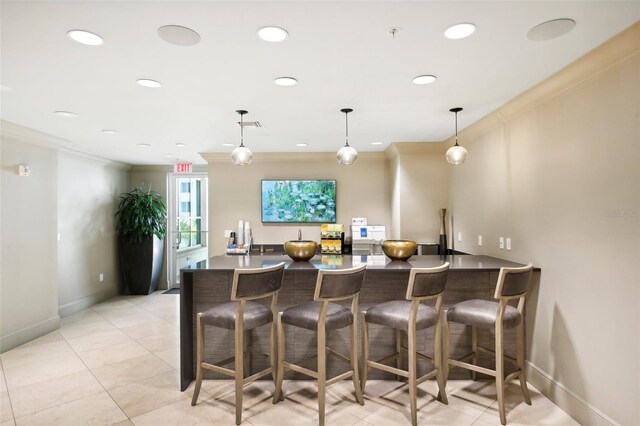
(299, 201)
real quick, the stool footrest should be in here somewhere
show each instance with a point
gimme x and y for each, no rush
(218, 369)
(302, 370)
(472, 367)
(493, 352)
(512, 376)
(429, 375)
(256, 376)
(339, 378)
(387, 368)
(339, 355)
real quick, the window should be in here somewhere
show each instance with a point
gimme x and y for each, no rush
(190, 213)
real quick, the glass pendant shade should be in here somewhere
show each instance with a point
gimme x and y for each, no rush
(347, 155)
(456, 155)
(241, 156)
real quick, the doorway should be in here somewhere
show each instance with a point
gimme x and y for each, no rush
(188, 230)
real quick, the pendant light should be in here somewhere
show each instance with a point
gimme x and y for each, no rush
(347, 155)
(241, 156)
(456, 154)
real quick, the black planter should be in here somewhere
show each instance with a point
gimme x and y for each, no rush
(141, 264)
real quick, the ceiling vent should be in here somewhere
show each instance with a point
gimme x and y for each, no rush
(250, 124)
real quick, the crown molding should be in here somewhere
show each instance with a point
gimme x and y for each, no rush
(271, 157)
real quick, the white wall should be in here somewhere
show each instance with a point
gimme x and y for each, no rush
(234, 193)
(67, 193)
(28, 286)
(559, 173)
(88, 195)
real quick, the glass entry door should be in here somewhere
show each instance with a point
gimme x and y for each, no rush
(187, 222)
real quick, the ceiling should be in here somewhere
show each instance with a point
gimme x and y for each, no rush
(342, 54)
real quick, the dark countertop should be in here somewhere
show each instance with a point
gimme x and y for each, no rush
(375, 262)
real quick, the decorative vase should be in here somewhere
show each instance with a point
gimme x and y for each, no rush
(442, 244)
(141, 264)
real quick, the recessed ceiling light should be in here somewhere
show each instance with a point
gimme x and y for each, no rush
(228, 144)
(551, 29)
(85, 37)
(148, 83)
(376, 143)
(67, 114)
(181, 145)
(302, 144)
(178, 35)
(285, 81)
(272, 34)
(424, 79)
(143, 145)
(168, 155)
(110, 132)
(459, 31)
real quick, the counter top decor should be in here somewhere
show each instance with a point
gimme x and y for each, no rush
(399, 249)
(301, 250)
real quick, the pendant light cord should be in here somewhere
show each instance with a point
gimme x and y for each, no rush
(242, 130)
(456, 128)
(346, 127)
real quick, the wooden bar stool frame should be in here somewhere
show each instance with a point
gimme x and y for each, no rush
(242, 348)
(411, 348)
(322, 349)
(503, 300)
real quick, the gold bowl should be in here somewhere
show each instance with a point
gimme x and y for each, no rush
(301, 250)
(399, 249)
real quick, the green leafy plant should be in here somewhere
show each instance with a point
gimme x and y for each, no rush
(140, 215)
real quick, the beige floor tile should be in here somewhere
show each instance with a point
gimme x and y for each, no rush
(171, 356)
(86, 316)
(126, 422)
(470, 397)
(114, 353)
(541, 412)
(54, 336)
(362, 423)
(3, 380)
(8, 423)
(82, 329)
(430, 413)
(131, 320)
(182, 413)
(38, 353)
(37, 372)
(479, 422)
(98, 340)
(149, 329)
(40, 396)
(148, 394)
(6, 411)
(98, 409)
(113, 303)
(130, 371)
(111, 314)
(169, 339)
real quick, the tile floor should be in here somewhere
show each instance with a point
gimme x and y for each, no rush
(117, 363)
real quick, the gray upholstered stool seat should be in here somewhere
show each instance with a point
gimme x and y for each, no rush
(483, 313)
(406, 317)
(395, 314)
(307, 315)
(241, 315)
(224, 316)
(497, 315)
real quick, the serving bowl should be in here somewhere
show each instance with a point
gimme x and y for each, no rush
(399, 249)
(301, 250)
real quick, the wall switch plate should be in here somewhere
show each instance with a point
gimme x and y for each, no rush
(227, 233)
(508, 243)
(459, 236)
(501, 243)
(101, 277)
(479, 240)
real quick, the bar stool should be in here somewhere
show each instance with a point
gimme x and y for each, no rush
(409, 316)
(242, 315)
(322, 316)
(478, 313)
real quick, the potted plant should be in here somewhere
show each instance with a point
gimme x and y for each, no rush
(141, 226)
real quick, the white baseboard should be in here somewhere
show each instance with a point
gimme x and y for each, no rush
(84, 303)
(582, 411)
(27, 334)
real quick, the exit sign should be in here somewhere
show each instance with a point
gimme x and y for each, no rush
(182, 168)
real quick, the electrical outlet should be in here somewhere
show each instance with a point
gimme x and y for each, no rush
(101, 277)
(479, 240)
(501, 243)
(459, 237)
(508, 243)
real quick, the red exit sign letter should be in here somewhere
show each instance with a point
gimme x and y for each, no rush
(182, 168)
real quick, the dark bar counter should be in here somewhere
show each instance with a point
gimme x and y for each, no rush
(208, 283)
